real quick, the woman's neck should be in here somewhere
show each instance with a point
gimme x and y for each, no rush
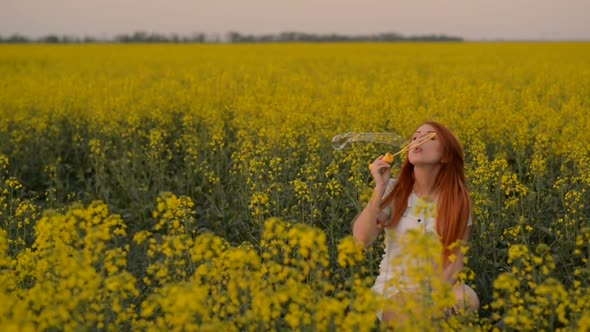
(424, 179)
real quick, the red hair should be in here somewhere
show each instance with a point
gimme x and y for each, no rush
(454, 203)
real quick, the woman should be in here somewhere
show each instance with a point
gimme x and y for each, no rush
(432, 172)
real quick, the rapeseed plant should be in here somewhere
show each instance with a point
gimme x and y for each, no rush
(226, 208)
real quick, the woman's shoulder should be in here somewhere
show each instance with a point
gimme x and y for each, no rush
(389, 187)
(388, 190)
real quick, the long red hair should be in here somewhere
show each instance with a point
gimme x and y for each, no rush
(454, 203)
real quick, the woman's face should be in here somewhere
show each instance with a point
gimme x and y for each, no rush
(429, 153)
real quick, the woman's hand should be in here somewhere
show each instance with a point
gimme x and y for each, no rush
(381, 172)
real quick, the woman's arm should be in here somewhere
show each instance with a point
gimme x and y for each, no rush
(365, 228)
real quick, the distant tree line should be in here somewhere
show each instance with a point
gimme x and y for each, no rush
(137, 37)
(236, 37)
(231, 37)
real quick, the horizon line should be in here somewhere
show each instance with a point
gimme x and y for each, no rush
(216, 36)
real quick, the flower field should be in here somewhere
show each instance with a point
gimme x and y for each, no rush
(195, 187)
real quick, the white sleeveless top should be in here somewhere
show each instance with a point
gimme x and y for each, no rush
(420, 215)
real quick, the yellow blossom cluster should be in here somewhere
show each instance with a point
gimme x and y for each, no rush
(195, 187)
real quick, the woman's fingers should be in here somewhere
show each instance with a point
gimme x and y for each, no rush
(372, 165)
(379, 165)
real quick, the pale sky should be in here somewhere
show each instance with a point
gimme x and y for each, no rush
(470, 19)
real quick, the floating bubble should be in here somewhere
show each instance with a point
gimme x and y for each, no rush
(340, 141)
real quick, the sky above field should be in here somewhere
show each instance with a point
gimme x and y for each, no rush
(470, 19)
